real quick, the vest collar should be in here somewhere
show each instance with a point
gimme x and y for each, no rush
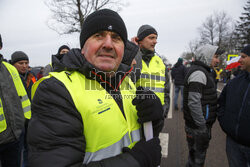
(199, 63)
(75, 61)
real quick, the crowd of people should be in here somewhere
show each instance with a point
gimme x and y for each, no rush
(104, 104)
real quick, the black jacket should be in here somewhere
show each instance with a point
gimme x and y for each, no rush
(178, 74)
(12, 107)
(234, 108)
(55, 135)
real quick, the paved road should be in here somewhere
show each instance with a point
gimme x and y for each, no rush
(174, 145)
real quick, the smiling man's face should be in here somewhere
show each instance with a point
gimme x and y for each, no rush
(244, 62)
(104, 50)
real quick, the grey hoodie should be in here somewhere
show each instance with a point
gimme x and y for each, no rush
(205, 53)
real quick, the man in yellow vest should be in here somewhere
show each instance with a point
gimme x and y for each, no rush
(83, 113)
(154, 74)
(14, 108)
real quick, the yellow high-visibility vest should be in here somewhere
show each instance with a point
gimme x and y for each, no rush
(21, 93)
(153, 77)
(106, 130)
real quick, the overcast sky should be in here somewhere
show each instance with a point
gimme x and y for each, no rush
(23, 25)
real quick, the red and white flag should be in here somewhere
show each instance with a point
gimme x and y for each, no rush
(233, 63)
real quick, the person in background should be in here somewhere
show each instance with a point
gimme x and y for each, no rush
(130, 52)
(153, 72)
(218, 74)
(234, 114)
(40, 73)
(85, 114)
(20, 60)
(14, 108)
(178, 75)
(60, 53)
(200, 103)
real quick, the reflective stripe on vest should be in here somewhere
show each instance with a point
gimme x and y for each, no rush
(106, 130)
(20, 90)
(153, 77)
(113, 149)
(3, 124)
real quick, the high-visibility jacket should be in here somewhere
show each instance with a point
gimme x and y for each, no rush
(21, 93)
(106, 130)
(153, 77)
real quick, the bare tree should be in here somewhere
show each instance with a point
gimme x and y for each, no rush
(223, 22)
(215, 30)
(193, 45)
(69, 15)
(208, 31)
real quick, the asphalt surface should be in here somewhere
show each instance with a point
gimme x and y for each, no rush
(174, 145)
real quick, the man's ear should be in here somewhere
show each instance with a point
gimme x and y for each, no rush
(82, 51)
(135, 40)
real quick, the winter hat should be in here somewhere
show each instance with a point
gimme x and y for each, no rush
(144, 31)
(18, 56)
(62, 47)
(102, 20)
(130, 52)
(205, 53)
(246, 50)
(180, 60)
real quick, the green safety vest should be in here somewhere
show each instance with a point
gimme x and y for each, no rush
(106, 130)
(21, 93)
(153, 77)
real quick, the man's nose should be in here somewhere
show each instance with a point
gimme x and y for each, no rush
(155, 41)
(108, 43)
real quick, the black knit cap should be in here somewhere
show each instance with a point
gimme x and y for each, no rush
(246, 50)
(62, 47)
(130, 52)
(18, 56)
(144, 31)
(103, 20)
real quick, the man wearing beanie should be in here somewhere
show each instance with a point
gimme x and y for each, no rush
(20, 60)
(153, 70)
(234, 113)
(60, 53)
(81, 116)
(200, 103)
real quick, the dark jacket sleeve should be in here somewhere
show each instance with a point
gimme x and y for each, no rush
(166, 93)
(55, 132)
(222, 103)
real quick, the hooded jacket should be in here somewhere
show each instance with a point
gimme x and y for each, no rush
(50, 67)
(200, 98)
(63, 143)
(234, 108)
